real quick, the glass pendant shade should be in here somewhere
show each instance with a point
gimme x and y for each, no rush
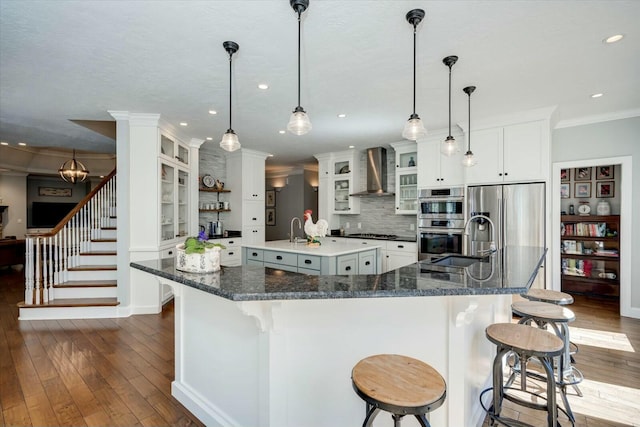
(469, 160)
(449, 146)
(299, 122)
(230, 141)
(414, 129)
(73, 171)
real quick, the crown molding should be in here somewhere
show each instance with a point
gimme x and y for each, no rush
(589, 120)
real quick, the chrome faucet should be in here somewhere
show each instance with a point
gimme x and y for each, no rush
(492, 244)
(292, 239)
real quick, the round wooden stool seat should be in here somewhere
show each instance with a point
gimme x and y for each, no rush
(523, 338)
(398, 384)
(548, 295)
(543, 311)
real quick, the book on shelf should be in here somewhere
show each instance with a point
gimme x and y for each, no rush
(585, 229)
(607, 252)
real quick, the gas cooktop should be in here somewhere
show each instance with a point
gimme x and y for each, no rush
(372, 236)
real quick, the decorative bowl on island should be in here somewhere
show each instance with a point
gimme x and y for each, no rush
(197, 255)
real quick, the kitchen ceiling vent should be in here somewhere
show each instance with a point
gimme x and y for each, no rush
(376, 174)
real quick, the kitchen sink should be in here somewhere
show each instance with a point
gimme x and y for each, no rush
(459, 260)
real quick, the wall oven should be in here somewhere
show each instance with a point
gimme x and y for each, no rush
(440, 222)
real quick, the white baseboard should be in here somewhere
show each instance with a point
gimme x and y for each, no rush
(53, 313)
(206, 412)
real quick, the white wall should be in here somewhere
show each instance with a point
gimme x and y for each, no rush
(13, 191)
(604, 140)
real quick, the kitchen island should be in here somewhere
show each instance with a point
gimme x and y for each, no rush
(328, 258)
(257, 346)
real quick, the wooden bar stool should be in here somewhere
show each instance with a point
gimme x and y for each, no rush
(526, 342)
(548, 295)
(558, 318)
(400, 385)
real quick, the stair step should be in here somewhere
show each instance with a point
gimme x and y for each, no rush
(104, 240)
(87, 284)
(74, 302)
(99, 253)
(108, 228)
(93, 268)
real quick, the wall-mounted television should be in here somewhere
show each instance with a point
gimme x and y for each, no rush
(47, 214)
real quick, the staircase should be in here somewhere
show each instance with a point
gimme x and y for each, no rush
(71, 272)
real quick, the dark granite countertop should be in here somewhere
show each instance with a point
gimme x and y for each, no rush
(510, 271)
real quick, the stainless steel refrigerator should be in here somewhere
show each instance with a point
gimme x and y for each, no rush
(518, 213)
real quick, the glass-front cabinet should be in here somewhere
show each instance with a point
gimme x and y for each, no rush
(406, 178)
(173, 162)
(344, 183)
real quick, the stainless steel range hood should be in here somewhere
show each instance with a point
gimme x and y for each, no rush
(376, 174)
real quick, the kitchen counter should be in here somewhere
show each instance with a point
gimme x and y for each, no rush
(257, 346)
(327, 248)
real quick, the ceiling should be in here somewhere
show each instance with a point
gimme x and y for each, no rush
(75, 60)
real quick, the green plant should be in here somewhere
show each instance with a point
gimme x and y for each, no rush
(197, 245)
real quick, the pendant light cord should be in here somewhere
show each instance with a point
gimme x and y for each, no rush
(230, 83)
(469, 133)
(449, 100)
(414, 69)
(299, 24)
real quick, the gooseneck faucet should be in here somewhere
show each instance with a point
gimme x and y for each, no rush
(292, 239)
(492, 244)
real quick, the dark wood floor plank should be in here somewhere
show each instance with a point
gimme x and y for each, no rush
(66, 411)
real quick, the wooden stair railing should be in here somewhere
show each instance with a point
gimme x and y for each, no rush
(48, 256)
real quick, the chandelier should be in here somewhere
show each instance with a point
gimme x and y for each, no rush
(73, 171)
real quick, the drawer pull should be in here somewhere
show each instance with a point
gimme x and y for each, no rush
(307, 261)
(367, 263)
(279, 257)
(254, 219)
(254, 254)
(231, 242)
(400, 246)
(230, 253)
(348, 268)
(170, 252)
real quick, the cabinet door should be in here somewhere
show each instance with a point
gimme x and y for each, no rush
(406, 191)
(341, 190)
(253, 182)
(367, 262)
(167, 202)
(253, 235)
(429, 161)
(253, 213)
(486, 145)
(451, 168)
(347, 264)
(524, 152)
(183, 203)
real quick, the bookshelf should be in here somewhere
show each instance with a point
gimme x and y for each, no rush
(590, 254)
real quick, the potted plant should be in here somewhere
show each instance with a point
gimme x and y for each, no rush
(197, 255)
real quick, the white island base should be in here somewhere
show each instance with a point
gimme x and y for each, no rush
(288, 363)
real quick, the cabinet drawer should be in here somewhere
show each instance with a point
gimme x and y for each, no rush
(255, 254)
(284, 258)
(347, 264)
(410, 247)
(230, 242)
(255, 262)
(230, 257)
(167, 253)
(309, 262)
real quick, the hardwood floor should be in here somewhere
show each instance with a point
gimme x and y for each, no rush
(98, 372)
(118, 372)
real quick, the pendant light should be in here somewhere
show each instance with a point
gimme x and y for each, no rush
(230, 139)
(72, 170)
(449, 146)
(468, 159)
(299, 122)
(414, 128)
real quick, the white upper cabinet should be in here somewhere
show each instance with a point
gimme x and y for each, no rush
(436, 169)
(339, 176)
(406, 177)
(513, 153)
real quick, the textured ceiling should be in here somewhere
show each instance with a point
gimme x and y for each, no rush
(74, 60)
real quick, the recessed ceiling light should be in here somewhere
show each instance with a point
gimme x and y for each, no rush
(22, 143)
(184, 124)
(101, 176)
(213, 112)
(209, 138)
(282, 132)
(613, 39)
(269, 155)
(342, 115)
(597, 95)
(263, 86)
(351, 146)
(4, 143)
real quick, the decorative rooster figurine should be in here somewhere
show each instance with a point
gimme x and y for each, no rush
(314, 231)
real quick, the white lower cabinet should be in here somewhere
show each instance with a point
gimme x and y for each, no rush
(347, 264)
(367, 262)
(231, 256)
(399, 254)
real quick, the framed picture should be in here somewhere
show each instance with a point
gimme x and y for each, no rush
(604, 172)
(270, 198)
(565, 190)
(565, 175)
(583, 190)
(54, 192)
(582, 174)
(271, 216)
(605, 189)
